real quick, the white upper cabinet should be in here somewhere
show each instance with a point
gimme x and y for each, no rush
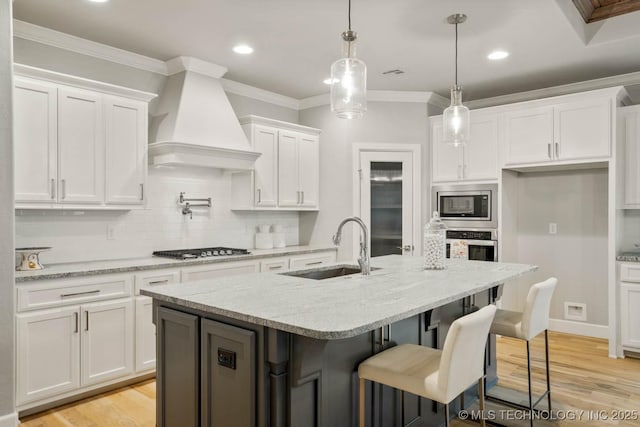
(288, 170)
(565, 132)
(78, 147)
(286, 175)
(630, 124)
(36, 140)
(265, 141)
(309, 170)
(529, 135)
(126, 150)
(476, 161)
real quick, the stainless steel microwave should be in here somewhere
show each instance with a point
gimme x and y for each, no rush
(467, 206)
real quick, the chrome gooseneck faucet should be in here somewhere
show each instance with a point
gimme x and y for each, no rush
(363, 261)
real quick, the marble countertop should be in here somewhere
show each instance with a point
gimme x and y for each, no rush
(89, 268)
(340, 307)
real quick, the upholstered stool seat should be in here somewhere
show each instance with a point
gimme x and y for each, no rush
(439, 375)
(527, 325)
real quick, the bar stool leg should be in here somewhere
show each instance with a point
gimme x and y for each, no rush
(361, 416)
(481, 400)
(402, 409)
(529, 379)
(446, 415)
(546, 350)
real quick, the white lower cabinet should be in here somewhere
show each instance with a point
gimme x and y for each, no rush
(145, 335)
(107, 341)
(629, 315)
(60, 350)
(312, 260)
(274, 265)
(48, 353)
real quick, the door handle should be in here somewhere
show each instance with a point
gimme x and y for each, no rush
(405, 248)
(75, 316)
(86, 325)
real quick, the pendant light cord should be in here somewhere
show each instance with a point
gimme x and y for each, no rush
(456, 51)
(349, 15)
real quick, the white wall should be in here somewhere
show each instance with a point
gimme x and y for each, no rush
(384, 122)
(244, 106)
(577, 255)
(7, 402)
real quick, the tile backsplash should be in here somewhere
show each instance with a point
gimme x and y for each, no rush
(99, 235)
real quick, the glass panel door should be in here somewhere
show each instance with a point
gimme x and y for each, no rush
(386, 208)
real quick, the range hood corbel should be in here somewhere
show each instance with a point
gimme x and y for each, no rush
(195, 124)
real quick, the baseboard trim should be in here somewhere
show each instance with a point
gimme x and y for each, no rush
(9, 420)
(579, 328)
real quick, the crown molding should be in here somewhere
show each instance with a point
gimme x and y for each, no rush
(81, 82)
(252, 92)
(47, 36)
(188, 63)
(383, 96)
(571, 88)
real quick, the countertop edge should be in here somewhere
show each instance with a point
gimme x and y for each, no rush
(321, 334)
(170, 263)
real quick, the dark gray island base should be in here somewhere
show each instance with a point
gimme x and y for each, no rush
(231, 355)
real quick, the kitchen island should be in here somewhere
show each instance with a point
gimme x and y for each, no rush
(275, 350)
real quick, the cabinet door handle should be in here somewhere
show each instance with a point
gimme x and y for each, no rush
(97, 291)
(275, 267)
(549, 150)
(141, 191)
(75, 316)
(298, 194)
(557, 150)
(302, 202)
(86, 314)
(64, 188)
(314, 263)
(157, 282)
(53, 188)
(259, 195)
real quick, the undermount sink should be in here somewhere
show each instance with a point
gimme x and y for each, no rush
(321, 273)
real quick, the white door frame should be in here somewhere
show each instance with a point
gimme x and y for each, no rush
(416, 151)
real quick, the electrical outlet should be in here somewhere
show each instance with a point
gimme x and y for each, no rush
(575, 311)
(553, 228)
(111, 232)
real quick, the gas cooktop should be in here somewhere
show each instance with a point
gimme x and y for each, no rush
(200, 253)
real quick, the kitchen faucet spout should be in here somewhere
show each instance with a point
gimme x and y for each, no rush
(363, 261)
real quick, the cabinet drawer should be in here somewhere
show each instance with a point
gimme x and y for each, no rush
(149, 279)
(73, 291)
(222, 269)
(276, 265)
(630, 272)
(310, 261)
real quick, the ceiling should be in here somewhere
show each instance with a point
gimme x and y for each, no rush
(296, 41)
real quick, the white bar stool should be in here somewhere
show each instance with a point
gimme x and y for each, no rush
(439, 375)
(527, 325)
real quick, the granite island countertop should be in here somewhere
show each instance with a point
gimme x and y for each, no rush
(340, 307)
(91, 268)
(629, 257)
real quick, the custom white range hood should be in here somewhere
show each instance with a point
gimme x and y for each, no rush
(194, 124)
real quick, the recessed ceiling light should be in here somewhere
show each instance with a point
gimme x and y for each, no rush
(329, 81)
(243, 49)
(498, 54)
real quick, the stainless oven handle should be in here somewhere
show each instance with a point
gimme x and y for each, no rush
(477, 242)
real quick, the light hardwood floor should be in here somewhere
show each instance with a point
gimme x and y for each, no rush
(582, 378)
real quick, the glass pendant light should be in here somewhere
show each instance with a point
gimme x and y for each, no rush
(456, 118)
(349, 79)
